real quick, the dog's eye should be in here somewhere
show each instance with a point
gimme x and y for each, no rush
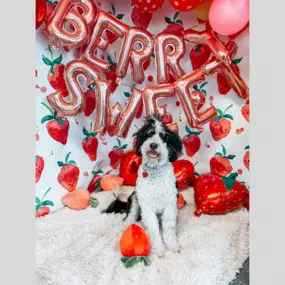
(162, 136)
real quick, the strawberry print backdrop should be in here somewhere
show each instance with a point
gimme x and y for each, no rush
(70, 155)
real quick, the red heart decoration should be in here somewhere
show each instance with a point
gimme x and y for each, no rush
(216, 194)
(183, 170)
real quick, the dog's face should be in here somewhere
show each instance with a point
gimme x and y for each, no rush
(157, 144)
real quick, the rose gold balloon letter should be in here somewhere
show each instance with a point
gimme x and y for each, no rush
(136, 57)
(165, 60)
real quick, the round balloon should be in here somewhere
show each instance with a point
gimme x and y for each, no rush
(185, 5)
(228, 17)
(41, 9)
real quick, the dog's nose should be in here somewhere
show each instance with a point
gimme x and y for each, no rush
(153, 146)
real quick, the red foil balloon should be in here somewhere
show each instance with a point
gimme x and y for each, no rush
(168, 62)
(184, 171)
(129, 54)
(129, 167)
(41, 8)
(215, 194)
(105, 21)
(80, 22)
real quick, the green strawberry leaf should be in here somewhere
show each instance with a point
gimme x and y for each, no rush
(195, 87)
(85, 132)
(130, 261)
(124, 146)
(110, 60)
(204, 91)
(218, 154)
(218, 118)
(198, 47)
(233, 175)
(67, 157)
(37, 158)
(115, 147)
(113, 9)
(47, 203)
(93, 134)
(229, 183)
(52, 69)
(60, 121)
(120, 16)
(72, 162)
(176, 15)
(247, 147)
(38, 206)
(168, 20)
(220, 112)
(196, 174)
(179, 22)
(145, 260)
(97, 172)
(46, 60)
(119, 142)
(203, 84)
(228, 116)
(60, 163)
(196, 133)
(127, 94)
(237, 60)
(38, 200)
(47, 118)
(224, 150)
(94, 203)
(231, 156)
(188, 130)
(58, 60)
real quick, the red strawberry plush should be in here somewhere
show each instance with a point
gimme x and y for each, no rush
(245, 110)
(111, 36)
(111, 74)
(216, 194)
(90, 101)
(246, 158)
(220, 127)
(56, 127)
(90, 143)
(220, 163)
(191, 141)
(174, 26)
(56, 73)
(69, 173)
(198, 95)
(199, 55)
(140, 18)
(41, 205)
(40, 164)
(117, 154)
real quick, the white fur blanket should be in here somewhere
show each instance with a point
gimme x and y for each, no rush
(82, 247)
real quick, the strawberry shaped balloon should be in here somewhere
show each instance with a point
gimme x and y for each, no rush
(216, 194)
(135, 246)
(148, 6)
(185, 5)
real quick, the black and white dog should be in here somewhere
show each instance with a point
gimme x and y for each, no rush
(156, 192)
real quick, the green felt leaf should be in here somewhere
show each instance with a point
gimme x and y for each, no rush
(130, 261)
(237, 60)
(58, 60)
(67, 157)
(46, 60)
(47, 118)
(179, 22)
(47, 203)
(218, 154)
(203, 85)
(229, 183)
(224, 150)
(227, 116)
(120, 16)
(231, 156)
(145, 260)
(94, 203)
(168, 20)
(85, 132)
(60, 163)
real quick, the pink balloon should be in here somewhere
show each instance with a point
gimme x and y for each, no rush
(228, 17)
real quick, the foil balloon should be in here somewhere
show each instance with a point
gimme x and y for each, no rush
(129, 54)
(216, 194)
(41, 8)
(65, 13)
(151, 94)
(183, 171)
(72, 71)
(105, 21)
(168, 61)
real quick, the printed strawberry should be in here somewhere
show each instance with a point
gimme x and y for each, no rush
(174, 26)
(166, 118)
(90, 143)
(56, 127)
(198, 95)
(56, 73)
(191, 141)
(199, 55)
(220, 127)
(246, 158)
(140, 18)
(41, 205)
(117, 154)
(245, 110)
(216, 194)
(220, 164)
(40, 164)
(111, 36)
(223, 85)
(94, 184)
(69, 173)
(90, 101)
(111, 74)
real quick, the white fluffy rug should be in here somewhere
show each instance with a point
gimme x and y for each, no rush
(82, 247)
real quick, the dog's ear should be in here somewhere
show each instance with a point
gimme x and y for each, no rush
(174, 144)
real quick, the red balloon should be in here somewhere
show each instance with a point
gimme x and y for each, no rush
(148, 6)
(183, 170)
(216, 194)
(185, 5)
(41, 9)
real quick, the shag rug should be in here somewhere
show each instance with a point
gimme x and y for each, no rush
(82, 247)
